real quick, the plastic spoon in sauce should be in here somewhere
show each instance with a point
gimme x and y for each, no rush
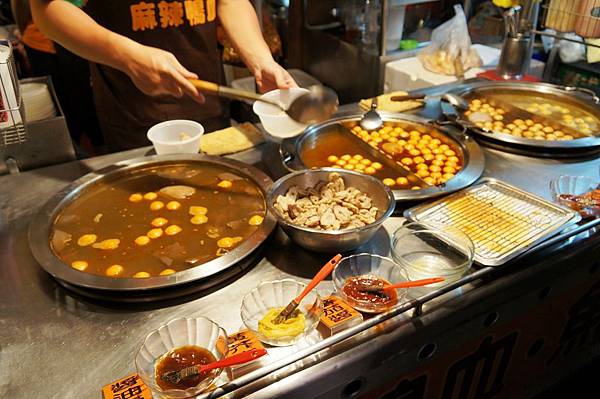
(174, 377)
(404, 284)
(320, 276)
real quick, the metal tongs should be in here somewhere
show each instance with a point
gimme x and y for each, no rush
(175, 377)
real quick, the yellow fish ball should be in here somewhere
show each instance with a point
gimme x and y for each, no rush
(151, 196)
(256, 220)
(173, 205)
(142, 240)
(225, 184)
(87, 239)
(80, 265)
(137, 197)
(115, 270)
(172, 230)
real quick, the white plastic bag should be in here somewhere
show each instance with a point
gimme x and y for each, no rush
(568, 51)
(450, 51)
(571, 52)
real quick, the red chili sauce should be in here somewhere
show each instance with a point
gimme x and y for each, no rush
(587, 204)
(361, 289)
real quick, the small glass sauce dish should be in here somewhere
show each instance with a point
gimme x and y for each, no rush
(577, 193)
(355, 278)
(182, 334)
(278, 294)
(432, 251)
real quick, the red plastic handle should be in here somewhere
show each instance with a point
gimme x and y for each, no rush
(234, 360)
(320, 276)
(415, 283)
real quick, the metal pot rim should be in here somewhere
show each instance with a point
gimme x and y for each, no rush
(546, 88)
(474, 160)
(41, 227)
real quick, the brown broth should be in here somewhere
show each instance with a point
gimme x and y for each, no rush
(180, 358)
(229, 212)
(336, 143)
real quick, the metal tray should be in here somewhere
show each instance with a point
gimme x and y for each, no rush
(574, 97)
(474, 161)
(41, 227)
(501, 220)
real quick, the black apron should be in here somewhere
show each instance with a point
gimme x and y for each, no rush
(186, 28)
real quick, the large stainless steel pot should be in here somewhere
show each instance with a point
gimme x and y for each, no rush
(575, 97)
(474, 161)
(41, 228)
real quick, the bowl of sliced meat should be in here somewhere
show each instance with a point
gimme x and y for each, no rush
(328, 209)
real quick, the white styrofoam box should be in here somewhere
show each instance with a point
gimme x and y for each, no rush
(408, 74)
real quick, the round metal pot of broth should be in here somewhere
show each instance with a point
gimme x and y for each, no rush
(554, 107)
(42, 228)
(310, 150)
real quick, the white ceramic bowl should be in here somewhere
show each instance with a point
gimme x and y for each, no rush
(278, 294)
(274, 120)
(198, 331)
(178, 136)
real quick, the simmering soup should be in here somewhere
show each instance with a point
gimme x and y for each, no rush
(158, 221)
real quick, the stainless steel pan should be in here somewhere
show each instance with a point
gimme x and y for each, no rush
(41, 227)
(291, 152)
(580, 98)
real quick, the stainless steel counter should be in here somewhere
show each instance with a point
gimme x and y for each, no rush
(55, 344)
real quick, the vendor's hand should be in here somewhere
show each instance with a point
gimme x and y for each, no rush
(157, 72)
(270, 76)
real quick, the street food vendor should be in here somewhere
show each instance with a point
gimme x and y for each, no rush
(142, 53)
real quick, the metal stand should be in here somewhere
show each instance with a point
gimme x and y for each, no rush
(515, 57)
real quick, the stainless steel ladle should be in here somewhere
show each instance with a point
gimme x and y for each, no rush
(317, 105)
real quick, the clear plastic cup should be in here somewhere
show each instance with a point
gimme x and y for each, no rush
(176, 137)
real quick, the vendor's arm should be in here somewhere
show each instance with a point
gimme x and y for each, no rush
(154, 71)
(239, 21)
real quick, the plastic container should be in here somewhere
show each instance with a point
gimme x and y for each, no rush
(274, 120)
(199, 331)
(176, 137)
(37, 101)
(395, 26)
(426, 252)
(278, 294)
